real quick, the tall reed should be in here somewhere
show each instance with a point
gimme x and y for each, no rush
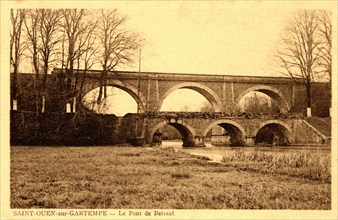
(307, 164)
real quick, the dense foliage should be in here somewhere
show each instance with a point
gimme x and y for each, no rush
(63, 129)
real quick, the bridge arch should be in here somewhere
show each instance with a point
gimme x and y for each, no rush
(186, 131)
(208, 93)
(274, 132)
(236, 131)
(131, 90)
(271, 92)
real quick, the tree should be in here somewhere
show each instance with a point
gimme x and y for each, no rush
(300, 50)
(42, 26)
(325, 32)
(87, 56)
(206, 107)
(79, 29)
(117, 46)
(32, 36)
(72, 19)
(74, 26)
(261, 104)
(83, 41)
(49, 32)
(186, 108)
(16, 48)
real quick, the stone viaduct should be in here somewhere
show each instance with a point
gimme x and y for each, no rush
(241, 130)
(224, 92)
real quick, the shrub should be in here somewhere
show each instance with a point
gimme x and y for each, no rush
(180, 175)
(62, 129)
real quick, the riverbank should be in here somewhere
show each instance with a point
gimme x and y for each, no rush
(149, 178)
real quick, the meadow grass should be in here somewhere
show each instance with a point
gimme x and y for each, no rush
(304, 164)
(128, 177)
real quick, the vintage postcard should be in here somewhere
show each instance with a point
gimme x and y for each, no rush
(168, 109)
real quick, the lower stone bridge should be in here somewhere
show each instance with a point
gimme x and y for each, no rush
(239, 130)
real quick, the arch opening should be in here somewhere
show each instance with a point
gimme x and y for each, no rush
(184, 132)
(258, 102)
(273, 134)
(120, 101)
(224, 133)
(235, 136)
(200, 92)
(262, 99)
(186, 100)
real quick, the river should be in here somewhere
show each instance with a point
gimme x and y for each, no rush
(216, 153)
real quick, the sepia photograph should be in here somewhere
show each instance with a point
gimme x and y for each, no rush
(168, 110)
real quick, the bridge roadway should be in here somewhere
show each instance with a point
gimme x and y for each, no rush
(243, 129)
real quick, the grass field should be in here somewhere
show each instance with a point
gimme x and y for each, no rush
(127, 177)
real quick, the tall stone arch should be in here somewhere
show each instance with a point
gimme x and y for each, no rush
(208, 93)
(130, 89)
(271, 92)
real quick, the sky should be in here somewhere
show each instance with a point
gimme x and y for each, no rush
(226, 38)
(211, 37)
(204, 37)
